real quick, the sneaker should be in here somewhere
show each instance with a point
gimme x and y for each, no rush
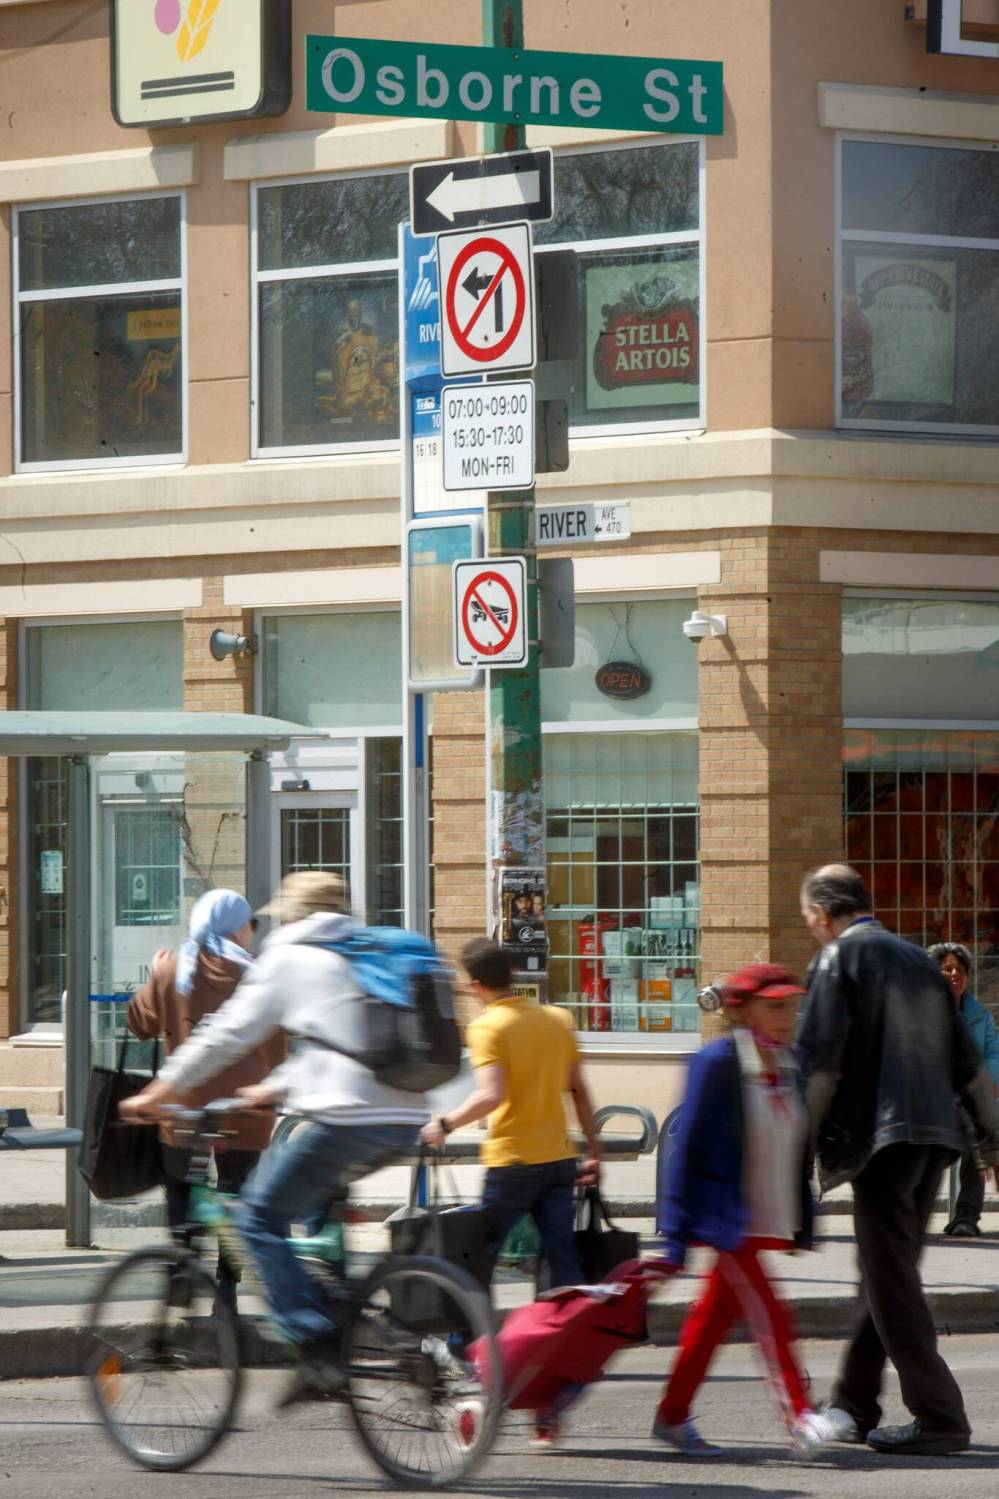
(546, 1435)
(963, 1230)
(916, 1441)
(685, 1438)
(840, 1427)
(810, 1432)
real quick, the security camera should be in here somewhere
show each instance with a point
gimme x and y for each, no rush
(701, 626)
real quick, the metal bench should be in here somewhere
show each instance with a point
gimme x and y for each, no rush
(21, 1134)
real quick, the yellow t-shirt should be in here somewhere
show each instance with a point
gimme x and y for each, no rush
(536, 1047)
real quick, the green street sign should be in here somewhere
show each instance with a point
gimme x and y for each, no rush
(358, 76)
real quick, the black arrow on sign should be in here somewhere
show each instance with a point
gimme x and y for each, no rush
(475, 284)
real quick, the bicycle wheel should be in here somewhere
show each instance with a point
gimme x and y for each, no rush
(425, 1389)
(164, 1372)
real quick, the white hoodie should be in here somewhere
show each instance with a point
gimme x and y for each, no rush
(310, 993)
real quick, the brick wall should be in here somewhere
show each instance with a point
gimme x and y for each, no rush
(459, 835)
(214, 828)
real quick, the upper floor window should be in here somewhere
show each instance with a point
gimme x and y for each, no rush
(919, 287)
(99, 331)
(326, 310)
(633, 215)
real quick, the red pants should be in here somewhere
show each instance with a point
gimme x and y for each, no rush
(736, 1289)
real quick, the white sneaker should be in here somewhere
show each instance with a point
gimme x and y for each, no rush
(685, 1438)
(839, 1426)
(810, 1432)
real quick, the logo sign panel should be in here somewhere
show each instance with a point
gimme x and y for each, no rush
(571, 525)
(359, 75)
(481, 190)
(490, 598)
(487, 291)
(489, 435)
(180, 60)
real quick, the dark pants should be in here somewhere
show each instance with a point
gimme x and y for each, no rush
(892, 1200)
(232, 1168)
(971, 1198)
(547, 1193)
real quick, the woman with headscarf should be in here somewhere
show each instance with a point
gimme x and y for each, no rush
(184, 989)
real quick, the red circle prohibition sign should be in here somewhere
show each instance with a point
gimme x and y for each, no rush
(508, 265)
(506, 632)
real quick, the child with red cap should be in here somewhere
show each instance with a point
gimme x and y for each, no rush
(739, 1182)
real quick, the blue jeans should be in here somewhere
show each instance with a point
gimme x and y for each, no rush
(546, 1192)
(296, 1183)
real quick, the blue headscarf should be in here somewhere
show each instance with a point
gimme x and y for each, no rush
(214, 917)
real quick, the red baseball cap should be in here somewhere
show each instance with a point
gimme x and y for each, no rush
(763, 980)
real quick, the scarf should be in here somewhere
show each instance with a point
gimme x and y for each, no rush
(214, 917)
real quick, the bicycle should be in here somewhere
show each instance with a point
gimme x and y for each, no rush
(167, 1385)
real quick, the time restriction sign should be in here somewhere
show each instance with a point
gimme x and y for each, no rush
(487, 294)
(489, 608)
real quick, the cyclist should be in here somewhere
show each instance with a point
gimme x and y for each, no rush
(356, 1123)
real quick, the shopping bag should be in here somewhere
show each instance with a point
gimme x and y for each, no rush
(447, 1231)
(601, 1245)
(118, 1160)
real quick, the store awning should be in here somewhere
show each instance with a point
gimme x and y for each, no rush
(66, 733)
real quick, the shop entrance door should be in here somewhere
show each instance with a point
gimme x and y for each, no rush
(319, 830)
(141, 907)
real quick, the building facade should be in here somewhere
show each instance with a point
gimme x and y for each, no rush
(787, 369)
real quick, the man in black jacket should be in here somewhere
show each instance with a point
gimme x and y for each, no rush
(888, 1055)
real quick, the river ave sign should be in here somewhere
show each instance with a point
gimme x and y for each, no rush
(357, 75)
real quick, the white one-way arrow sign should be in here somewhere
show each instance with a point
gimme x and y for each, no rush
(481, 195)
(481, 190)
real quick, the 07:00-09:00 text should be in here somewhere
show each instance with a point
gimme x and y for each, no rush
(461, 407)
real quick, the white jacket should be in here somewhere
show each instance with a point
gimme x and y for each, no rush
(310, 993)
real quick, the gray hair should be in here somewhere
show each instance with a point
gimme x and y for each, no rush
(941, 950)
(838, 889)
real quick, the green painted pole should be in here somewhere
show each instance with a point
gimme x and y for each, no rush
(516, 820)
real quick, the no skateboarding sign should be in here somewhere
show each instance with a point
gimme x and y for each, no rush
(487, 294)
(489, 609)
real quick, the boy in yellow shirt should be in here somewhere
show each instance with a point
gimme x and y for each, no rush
(525, 1059)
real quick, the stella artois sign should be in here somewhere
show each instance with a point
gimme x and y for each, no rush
(649, 337)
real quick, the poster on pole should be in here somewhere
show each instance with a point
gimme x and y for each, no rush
(524, 929)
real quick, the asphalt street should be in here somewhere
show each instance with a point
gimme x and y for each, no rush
(51, 1447)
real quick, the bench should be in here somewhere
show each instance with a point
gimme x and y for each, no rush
(21, 1134)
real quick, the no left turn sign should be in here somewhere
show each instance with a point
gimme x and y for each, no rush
(487, 295)
(489, 610)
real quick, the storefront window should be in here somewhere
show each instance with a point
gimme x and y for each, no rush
(633, 216)
(649, 635)
(911, 658)
(100, 332)
(623, 879)
(919, 272)
(327, 367)
(334, 671)
(922, 827)
(126, 666)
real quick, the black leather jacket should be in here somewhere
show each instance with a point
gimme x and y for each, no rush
(889, 1053)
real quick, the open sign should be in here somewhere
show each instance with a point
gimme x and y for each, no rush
(623, 680)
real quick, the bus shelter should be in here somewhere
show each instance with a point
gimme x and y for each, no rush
(160, 806)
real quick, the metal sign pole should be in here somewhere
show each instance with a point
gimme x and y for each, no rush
(78, 993)
(516, 814)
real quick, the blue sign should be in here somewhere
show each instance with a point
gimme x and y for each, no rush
(426, 417)
(422, 352)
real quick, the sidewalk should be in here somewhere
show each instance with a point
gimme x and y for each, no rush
(45, 1288)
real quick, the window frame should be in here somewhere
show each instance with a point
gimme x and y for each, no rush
(259, 278)
(860, 236)
(82, 293)
(696, 237)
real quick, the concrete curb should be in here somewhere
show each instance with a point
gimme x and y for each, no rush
(50, 1352)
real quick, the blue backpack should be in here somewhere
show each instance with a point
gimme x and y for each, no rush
(412, 1038)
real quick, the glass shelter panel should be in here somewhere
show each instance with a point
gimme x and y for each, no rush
(623, 879)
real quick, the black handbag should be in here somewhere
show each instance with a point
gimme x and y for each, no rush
(118, 1160)
(447, 1231)
(601, 1245)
